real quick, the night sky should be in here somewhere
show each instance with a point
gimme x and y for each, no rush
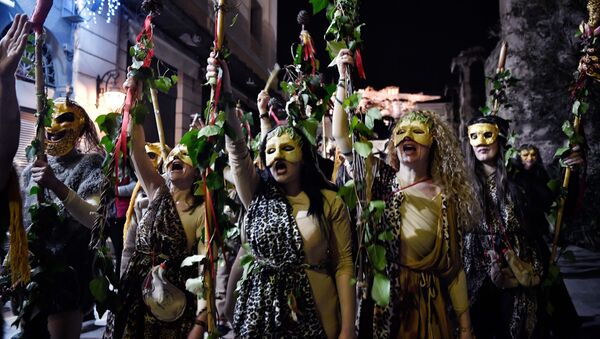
(409, 44)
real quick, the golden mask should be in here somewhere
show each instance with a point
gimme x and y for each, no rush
(528, 155)
(180, 152)
(68, 120)
(283, 146)
(482, 134)
(413, 126)
(153, 151)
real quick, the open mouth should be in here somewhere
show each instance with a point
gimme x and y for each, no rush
(280, 167)
(55, 136)
(176, 165)
(409, 148)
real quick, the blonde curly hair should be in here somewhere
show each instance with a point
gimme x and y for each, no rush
(447, 167)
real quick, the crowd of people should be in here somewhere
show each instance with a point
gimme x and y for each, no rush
(467, 257)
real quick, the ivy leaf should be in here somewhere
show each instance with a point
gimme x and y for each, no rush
(352, 101)
(99, 288)
(334, 47)
(377, 256)
(567, 128)
(214, 181)
(363, 148)
(163, 84)
(386, 236)
(107, 143)
(209, 131)
(34, 190)
(139, 112)
(309, 128)
(372, 114)
(561, 151)
(346, 192)
(381, 289)
(376, 208)
(553, 185)
(319, 5)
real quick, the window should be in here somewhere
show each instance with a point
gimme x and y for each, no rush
(256, 20)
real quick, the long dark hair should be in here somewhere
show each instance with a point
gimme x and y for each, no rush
(504, 187)
(312, 179)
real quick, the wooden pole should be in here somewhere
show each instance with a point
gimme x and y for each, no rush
(501, 63)
(40, 91)
(159, 125)
(562, 201)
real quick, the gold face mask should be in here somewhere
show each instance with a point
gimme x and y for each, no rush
(68, 120)
(283, 147)
(528, 155)
(414, 128)
(180, 152)
(153, 151)
(482, 134)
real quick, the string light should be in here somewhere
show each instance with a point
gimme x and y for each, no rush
(109, 7)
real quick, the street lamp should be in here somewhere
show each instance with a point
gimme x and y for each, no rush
(108, 90)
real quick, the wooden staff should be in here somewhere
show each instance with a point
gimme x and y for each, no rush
(563, 199)
(42, 109)
(501, 63)
(210, 222)
(590, 31)
(159, 125)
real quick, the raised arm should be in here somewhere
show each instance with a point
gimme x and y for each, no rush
(263, 112)
(148, 176)
(11, 49)
(245, 177)
(339, 123)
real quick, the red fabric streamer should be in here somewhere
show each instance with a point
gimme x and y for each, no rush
(40, 13)
(274, 116)
(121, 146)
(359, 65)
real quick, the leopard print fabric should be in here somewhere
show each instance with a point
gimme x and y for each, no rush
(276, 274)
(160, 237)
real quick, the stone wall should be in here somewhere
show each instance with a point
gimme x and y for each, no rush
(543, 55)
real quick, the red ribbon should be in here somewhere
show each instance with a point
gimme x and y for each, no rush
(359, 65)
(121, 145)
(309, 53)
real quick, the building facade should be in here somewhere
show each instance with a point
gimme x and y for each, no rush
(89, 40)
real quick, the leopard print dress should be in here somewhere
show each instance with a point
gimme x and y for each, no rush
(160, 237)
(275, 299)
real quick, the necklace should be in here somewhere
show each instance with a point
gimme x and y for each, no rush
(402, 188)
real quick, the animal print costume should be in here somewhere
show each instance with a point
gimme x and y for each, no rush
(276, 277)
(160, 236)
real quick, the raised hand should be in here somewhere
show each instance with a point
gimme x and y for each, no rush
(344, 59)
(262, 101)
(12, 46)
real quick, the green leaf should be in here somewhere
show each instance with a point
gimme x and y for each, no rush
(380, 291)
(561, 151)
(174, 79)
(352, 100)
(348, 194)
(139, 112)
(34, 190)
(372, 114)
(334, 47)
(386, 236)
(554, 185)
(569, 256)
(309, 128)
(567, 128)
(163, 84)
(214, 181)
(319, 5)
(377, 256)
(376, 208)
(209, 131)
(575, 108)
(99, 288)
(363, 148)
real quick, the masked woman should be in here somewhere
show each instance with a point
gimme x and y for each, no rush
(298, 234)
(505, 256)
(72, 177)
(155, 303)
(428, 203)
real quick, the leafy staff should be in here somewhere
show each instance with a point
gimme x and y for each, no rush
(587, 74)
(206, 146)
